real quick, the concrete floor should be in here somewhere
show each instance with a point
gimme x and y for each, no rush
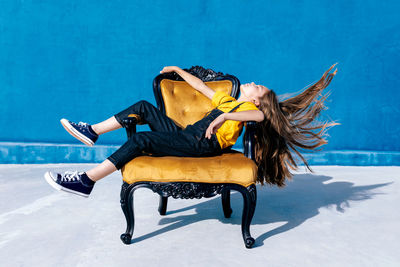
(337, 216)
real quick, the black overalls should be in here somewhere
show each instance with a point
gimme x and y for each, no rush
(166, 138)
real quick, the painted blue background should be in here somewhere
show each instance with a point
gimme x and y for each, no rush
(87, 60)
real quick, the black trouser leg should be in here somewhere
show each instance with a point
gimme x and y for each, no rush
(151, 115)
(180, 143)
(166, 138)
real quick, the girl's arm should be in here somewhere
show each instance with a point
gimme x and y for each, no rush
(195, 82)
(248, 115)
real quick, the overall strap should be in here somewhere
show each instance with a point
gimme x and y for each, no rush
(235, 107)
(216, 107)
(224, 103)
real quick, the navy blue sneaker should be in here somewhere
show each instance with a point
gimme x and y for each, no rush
(72, 182)
(81, 131)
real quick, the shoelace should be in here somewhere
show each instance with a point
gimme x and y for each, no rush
(85, 127)
(84, 124)
(70, 176)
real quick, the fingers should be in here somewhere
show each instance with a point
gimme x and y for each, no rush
(167, 69)
(208, 133)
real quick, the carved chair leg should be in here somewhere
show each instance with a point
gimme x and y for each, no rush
(130, 221)
(127, 205)
(249, 206)
(162, 207)
(226, 202)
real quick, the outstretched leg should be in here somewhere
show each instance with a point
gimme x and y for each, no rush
(147, 112)
(102, 170)
(176, 142)
(106, 126)
(180, 143)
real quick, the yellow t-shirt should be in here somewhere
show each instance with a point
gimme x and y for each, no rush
(230, 130)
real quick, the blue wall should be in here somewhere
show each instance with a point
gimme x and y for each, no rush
(87, 60)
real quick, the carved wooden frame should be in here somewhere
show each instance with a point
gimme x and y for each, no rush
(185, 190)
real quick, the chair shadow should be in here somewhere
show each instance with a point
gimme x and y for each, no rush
(299, 201)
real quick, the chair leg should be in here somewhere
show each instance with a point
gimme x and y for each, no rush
(128, 212)
(226, 203)
(249, 206)
(127, 205)
(162, 206)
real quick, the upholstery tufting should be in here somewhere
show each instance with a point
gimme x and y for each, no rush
(184, 104)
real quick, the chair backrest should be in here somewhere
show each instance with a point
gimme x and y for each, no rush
(184, 104)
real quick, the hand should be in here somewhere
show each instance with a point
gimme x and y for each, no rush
(215, 125)
(169, 69)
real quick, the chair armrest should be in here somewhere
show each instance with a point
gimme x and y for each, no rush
(130, 125)
(249, 139)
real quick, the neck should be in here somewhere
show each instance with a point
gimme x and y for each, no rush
(243, 98)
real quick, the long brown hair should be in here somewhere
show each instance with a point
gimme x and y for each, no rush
(287, 125)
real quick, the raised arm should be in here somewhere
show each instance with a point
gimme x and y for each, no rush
(195, 82)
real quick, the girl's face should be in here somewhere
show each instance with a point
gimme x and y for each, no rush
(253, 92)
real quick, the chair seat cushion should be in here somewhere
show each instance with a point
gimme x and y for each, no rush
(226, 168)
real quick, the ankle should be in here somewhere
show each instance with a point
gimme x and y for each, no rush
(86, 179)
(94, 128)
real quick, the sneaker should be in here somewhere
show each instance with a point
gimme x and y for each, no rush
(81, 131)
(72, 182)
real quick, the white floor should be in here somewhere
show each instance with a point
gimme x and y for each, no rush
(337, 216)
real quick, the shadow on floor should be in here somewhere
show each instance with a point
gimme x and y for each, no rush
(299, 201)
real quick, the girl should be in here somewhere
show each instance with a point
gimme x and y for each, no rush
(281, 125)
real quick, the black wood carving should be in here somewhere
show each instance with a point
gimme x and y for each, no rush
(205, 75)
(186, 190)
(190, 190)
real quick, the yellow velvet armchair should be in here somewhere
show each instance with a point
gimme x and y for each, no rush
(192, 177)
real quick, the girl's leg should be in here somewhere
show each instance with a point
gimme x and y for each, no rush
(166, 138)
(180, 143)
(80, 183)
(157, 121)
(108, 125)
(100, 171)
(148, 113)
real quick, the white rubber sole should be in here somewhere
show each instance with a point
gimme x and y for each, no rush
(72, 131)
(58, 187)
